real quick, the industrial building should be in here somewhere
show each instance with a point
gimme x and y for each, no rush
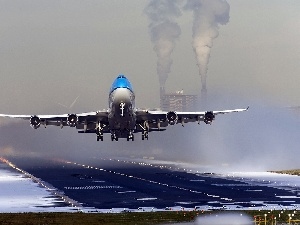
(177, 101)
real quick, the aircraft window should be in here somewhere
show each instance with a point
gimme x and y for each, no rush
(121, 82)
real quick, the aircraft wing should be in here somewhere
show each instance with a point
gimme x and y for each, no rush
(80, 121)
(163, 118)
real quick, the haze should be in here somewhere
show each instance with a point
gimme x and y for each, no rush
(53, 51)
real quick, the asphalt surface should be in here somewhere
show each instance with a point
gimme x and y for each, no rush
(108, 183)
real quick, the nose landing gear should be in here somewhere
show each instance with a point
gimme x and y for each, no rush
(114, 137)
(130, 136)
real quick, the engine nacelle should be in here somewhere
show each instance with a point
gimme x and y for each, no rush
(172, 117)
(72, 120)
(35, 122)
(209, 117)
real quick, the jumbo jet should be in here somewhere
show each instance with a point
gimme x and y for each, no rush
(122, 119)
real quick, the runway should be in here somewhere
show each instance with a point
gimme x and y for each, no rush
(147, 185)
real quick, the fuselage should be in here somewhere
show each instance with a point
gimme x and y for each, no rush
(121, 118)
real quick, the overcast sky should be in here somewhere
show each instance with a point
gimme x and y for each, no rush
(53, 51)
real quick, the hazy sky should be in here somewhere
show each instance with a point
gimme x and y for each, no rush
(53, 51)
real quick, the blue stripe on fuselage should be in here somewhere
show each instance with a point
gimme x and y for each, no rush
(121, 82)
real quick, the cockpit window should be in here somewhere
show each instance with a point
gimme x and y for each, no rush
(121, 82)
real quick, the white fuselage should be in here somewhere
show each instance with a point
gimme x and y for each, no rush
(121, 116)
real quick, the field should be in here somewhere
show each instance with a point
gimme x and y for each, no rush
(134, 218)
(95, 218)
(290, 172)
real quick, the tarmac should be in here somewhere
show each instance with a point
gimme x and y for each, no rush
(122, 184)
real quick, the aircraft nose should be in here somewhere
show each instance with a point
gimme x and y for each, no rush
(122, 95)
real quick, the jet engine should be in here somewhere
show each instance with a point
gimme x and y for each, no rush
(35, 122)
(72, 120)
(172, 117)
(209, 117)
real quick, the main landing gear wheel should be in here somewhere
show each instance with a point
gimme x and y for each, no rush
(99, 132)
(145, 136)
(99, 137)
(114, 137)
(130, 136)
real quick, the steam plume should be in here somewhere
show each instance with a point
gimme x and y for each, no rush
(163, 31)
(208, 15)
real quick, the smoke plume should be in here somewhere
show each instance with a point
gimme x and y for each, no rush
(208, 15)
(164, 31)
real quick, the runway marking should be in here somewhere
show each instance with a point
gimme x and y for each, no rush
(221, 200)
(287, 196)
(233, 185)
(146, 180)
(146, 199)
(124, 192)
(92, 187)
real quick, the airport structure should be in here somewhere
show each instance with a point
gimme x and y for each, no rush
(177, 101)
(295, 109)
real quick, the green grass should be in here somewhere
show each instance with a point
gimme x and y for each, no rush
(126, 218)
(94, 218)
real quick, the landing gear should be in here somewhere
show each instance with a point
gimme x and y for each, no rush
(99, 137)
(145, 130)
(114, 137)
(130, 136)
(99, 134)
(145, 135)
(99, 131)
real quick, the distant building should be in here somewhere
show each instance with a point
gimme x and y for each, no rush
(295, 109)
(177, 101)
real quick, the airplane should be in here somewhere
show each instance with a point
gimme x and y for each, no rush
(122, 119)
